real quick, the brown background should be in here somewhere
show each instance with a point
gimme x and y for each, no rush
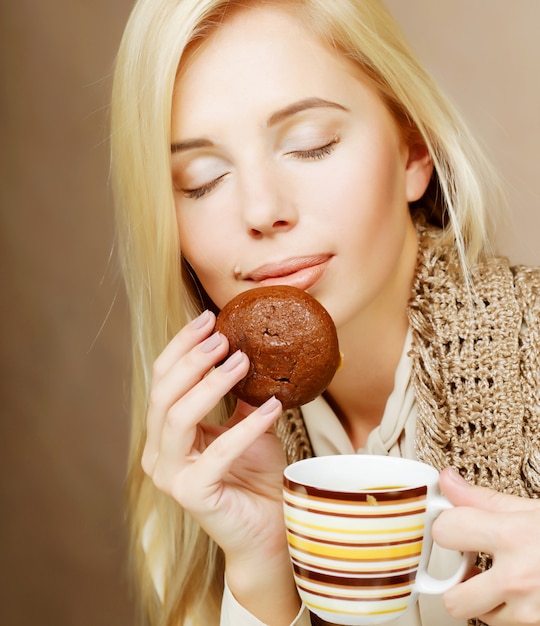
(64, 353)
(64, 424)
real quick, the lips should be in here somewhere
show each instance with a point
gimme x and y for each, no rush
(301, 272)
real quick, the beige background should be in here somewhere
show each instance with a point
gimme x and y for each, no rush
(486, 56)
(63, 341)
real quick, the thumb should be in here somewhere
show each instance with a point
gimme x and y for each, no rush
(461, 493)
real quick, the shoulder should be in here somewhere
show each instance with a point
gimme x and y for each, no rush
(527, 281)
(527, 294)
(517, 285)
(439, 267)
(495, 296)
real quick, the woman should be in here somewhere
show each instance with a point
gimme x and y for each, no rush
(299, 142)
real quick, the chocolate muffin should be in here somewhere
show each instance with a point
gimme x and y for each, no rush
(291, 342)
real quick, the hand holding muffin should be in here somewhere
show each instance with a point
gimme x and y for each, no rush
(229, 477)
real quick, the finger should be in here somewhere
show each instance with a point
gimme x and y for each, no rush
(186, 339)
(186, 372)
(178, 381)
(242, 410)
(179, 428)
(461, 493)
(512, 614)
(486, 597)
(472, 572)
(467, 529)
(216, 461)
(476, 596)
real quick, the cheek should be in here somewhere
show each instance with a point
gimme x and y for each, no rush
(371, 207)
(204, 246)
(370, 163)
(187, 233)
(363, 189)
(195, 241)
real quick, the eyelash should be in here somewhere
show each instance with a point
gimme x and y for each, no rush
(199, 192)
(313, 153)
(316, 153)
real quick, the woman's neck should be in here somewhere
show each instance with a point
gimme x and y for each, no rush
(372, 345)
(360, 390)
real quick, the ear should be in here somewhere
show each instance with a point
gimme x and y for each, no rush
(418, 171)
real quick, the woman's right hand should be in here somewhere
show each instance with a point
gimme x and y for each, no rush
(228, 477)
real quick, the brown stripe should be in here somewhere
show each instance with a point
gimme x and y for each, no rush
(358, 544)
(376, 513)
(362, 495)
(376, 572)
(333, 596)
(360, 582)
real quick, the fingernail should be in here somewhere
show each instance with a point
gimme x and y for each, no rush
(233, 361)
(456, 476)
(211, 343)
(269, 406)
(202, 320)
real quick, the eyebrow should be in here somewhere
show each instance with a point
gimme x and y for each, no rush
(190, 144)
(302, 105)
(275, 118)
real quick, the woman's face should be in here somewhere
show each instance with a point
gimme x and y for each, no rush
(288, 169)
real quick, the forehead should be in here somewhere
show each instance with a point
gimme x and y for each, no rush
(245, 26)
(263, 55)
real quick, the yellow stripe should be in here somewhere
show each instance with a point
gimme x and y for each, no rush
(359, 553)
(355, 612)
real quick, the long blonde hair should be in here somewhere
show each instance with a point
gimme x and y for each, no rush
(179, 569)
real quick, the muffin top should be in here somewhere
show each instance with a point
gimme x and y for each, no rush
(291, 342)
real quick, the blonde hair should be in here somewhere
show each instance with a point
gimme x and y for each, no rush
(179, 569)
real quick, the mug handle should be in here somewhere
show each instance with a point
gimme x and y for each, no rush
(426, 583)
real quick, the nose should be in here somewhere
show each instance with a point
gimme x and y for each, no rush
(268, 207)
(267, 228)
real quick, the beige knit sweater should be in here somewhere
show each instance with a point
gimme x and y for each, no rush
(475, 369)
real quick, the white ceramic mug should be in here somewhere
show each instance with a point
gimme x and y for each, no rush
(359, 535)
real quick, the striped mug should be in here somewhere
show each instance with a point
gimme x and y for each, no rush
(359, 535)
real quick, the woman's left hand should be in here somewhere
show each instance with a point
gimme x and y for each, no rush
(505, 527)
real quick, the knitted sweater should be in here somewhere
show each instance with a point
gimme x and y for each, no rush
(475, 370)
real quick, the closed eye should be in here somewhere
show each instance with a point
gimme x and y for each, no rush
(315, 153)
(199, 192)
